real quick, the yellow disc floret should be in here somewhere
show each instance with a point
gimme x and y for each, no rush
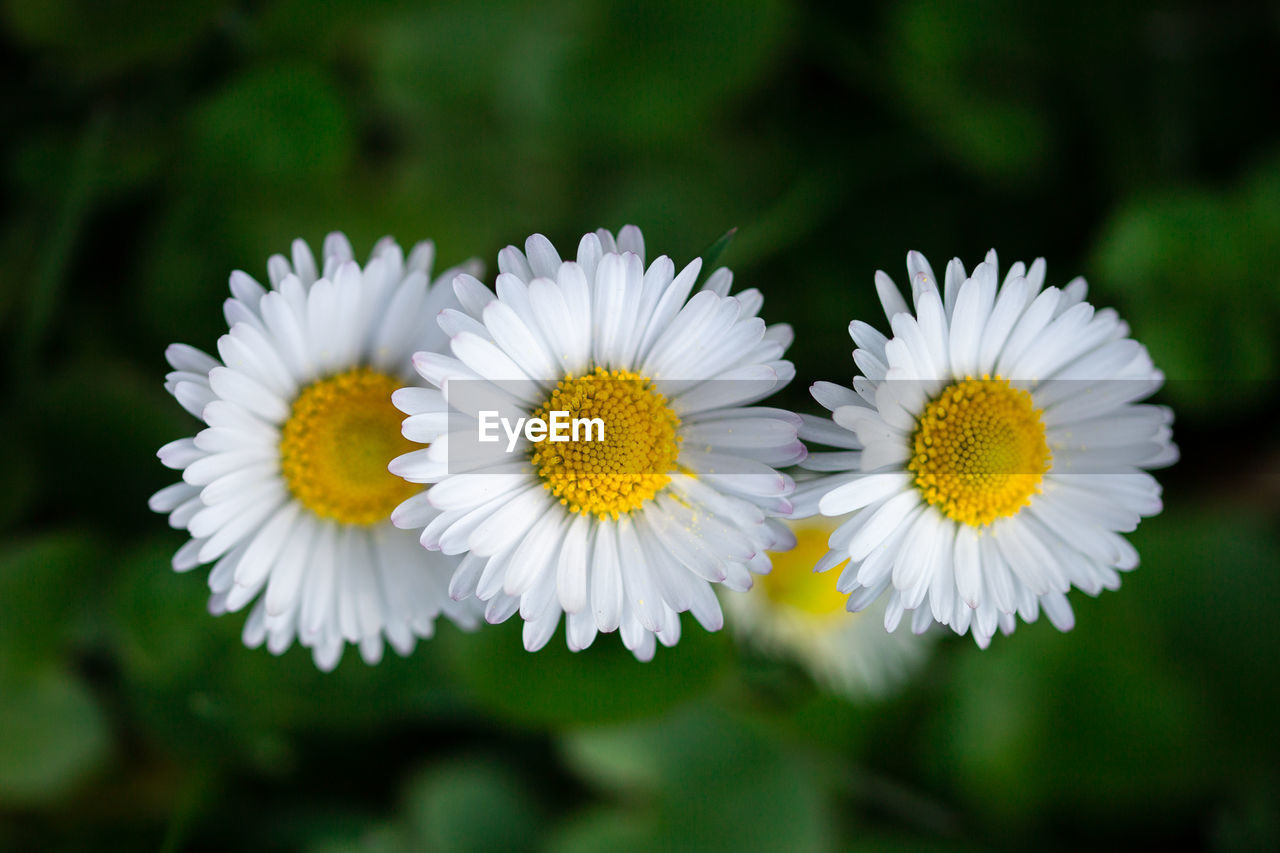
(630, 464)
(335, 446)
(979, 451)
(793, 583)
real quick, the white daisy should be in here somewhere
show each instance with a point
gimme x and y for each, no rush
(621, 534)
(797, 613)
(286, 490)
(992, 450)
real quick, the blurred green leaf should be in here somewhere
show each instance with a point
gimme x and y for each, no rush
(942, 56)
(282, 124)
(380, 838)
(716, 250)
(19, 255)
(53, 735)
(881, 842)
(613, 829)
(1251, 824)
(427, 70)
(683, 63)
(91, 404)
(1092, 724)
(1191, 258)
(258, 690)
(46, 586)
(557, 687)
(318, 29)
(471, 806)
(200, 690)
(716, 784)
(111, 36)
(677, 211)
(1210, 575)
(186, 262)
(48, 280)
(163, 631)
(449, 111)
(134, 150)
(619, 759)
(23, 483)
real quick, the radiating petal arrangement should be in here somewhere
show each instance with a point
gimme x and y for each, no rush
(991, 452)
(379, 448)
(622, 534)
(285, 488)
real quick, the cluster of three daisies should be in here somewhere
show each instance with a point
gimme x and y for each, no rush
(986, 458)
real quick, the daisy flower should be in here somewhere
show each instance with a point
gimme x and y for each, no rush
(992, 450)
(626, 532)
(796, 613)
(286, 489)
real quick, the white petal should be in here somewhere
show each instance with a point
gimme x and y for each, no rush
(882, 523)
(606, 579)
(863, 491)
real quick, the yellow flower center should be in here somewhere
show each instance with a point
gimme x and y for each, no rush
(335, 446)
(979, 451)
(633, 461)
(793, 583)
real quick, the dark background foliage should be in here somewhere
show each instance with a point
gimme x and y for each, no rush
(151, 147)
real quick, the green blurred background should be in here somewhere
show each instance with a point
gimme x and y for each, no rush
(149, 148)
